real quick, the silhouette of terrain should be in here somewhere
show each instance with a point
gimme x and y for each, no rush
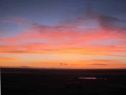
(23, 81)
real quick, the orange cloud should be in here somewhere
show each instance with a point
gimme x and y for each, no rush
(6, 58)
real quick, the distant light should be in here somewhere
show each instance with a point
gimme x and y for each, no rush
(90, 78)
(87, 78)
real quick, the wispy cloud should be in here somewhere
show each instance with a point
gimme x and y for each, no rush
(99, 64)
(7, 58)
(15, 20)
(63, 64)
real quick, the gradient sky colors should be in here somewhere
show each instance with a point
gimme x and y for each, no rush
(63, 33)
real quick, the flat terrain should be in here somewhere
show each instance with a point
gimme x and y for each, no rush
(53, 82)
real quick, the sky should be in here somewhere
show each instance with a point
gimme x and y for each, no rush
(74, 34)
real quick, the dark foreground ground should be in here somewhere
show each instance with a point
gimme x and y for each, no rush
(53, 82)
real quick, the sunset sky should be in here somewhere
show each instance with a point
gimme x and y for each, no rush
(81, 34)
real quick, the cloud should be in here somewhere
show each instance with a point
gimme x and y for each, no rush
(15, 51)
(63, 64)
(109, 23)
(57, 34)
(98, 61)
(112, 25)
(7, 58)
(24, 66)
(67, 37)
(99, 64)
(15, 20)
(1, 40)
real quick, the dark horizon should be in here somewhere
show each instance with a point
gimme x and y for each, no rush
(25, 81)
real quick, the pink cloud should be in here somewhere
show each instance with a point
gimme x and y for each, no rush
(63, 37)
(54, 33)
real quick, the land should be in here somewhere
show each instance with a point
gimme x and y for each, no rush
(27, 81)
